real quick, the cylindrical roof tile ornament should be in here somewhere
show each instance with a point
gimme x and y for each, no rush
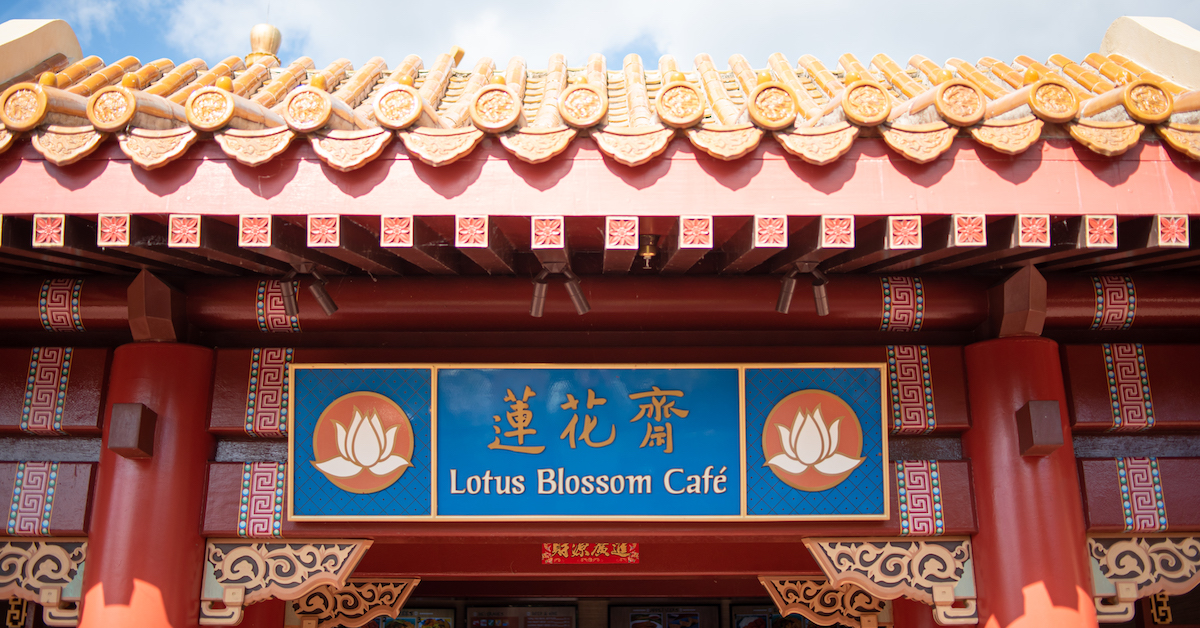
(583, 105)
(772, 104)
(496, 108)
(1147, 102)
(397, 104)
(959, 102)
(1053, 101)
(679, 103)
(865, 103)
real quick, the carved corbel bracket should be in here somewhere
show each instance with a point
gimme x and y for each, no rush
(239, 573)
(440, 147)
(65, 145)
(825, 603)
(254, 147)
(353, 605)
(1106, 138)
(1125, 569)
(150, 148)
(536, 145)
(349, 150)
(935, 572)
(47, 572)
(1008, 136)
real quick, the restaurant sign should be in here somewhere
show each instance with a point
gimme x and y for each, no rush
(714, 442)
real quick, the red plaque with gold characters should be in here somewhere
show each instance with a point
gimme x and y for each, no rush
(590, 553)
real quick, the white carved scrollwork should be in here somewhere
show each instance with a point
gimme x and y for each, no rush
(1126, 569)
(935, 572)
(356, 603)
(47, 572)
(241, 572)
(826, 603)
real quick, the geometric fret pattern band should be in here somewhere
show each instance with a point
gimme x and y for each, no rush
(911, 389)
(903, 304)
(46, 390)
(919, 492)
(32, 499)
(58, 305)
(269, 308)
(1128, 387)
(267, 393)
(1116, 302)
(1141, 495)
(260, 513)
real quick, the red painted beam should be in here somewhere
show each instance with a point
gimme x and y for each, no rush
(1055, 176)
(618, 304)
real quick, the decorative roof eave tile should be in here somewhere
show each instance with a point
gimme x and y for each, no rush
(158, 111)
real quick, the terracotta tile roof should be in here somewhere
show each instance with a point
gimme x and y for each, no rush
(255, 107)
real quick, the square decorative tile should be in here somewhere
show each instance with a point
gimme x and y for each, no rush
(695, 232)
(183, 231)
(621, 232)
(546, 232)
(770, 231)
(471, 231)
(396, 231)
(1172, 230)
(48, 229)
(324, 230)
(969, 230)
(904, 232)
(254, 230)
(837, 232)
(1033, 230)
(112, 230)
(1101, 231)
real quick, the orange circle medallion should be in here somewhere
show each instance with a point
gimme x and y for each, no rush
(363, 442)
(812, 440)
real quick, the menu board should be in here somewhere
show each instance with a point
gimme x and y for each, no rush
(663, 617)
(418, 618)
(521, 617)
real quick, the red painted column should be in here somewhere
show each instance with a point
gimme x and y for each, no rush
(908, 613)
(145, 551)
(266, 614)
(1030, 557)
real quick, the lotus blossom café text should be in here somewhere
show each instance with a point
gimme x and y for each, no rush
(675, 481)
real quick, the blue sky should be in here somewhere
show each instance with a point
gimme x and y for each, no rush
(360, 29)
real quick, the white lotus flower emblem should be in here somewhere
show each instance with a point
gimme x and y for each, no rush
(365, 446)
(810, 444)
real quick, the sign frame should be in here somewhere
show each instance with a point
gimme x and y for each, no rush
(740, 367)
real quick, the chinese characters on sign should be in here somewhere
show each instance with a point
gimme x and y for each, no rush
(519, 417)
(590, 553)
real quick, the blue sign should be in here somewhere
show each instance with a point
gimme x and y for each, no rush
(587, 442)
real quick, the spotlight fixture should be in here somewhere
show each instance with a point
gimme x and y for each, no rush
(289, 294)
(820, 297)
(541, 282)
(317, 288)
(539, 294)
(647, 250)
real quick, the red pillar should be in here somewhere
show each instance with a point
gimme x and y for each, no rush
(145, 550)
(266, 614)
(1030, 557)
(908, 613)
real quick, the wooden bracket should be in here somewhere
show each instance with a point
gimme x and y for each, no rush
(157, 311)
(1039, 428)
(131, 430)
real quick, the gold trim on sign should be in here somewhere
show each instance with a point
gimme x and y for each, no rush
(434, 369)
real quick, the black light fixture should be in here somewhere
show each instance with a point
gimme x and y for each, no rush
(820, 296)
(289, 294)
(317, 288)
(541, 281)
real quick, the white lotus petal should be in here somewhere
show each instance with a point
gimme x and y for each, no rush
(389, 442)
(796, 425)
(389, 464)
(378, 427)
(341, 439)
(366, 446)
(809, 444)
(785, 437)
(820, 421)
(338, 467)
(791, 465)
(355, 426)
(837, 463)
(833, 436)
